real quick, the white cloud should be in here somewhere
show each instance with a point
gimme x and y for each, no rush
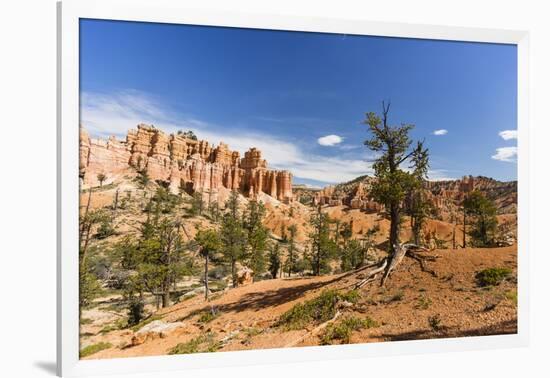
(309, 186)
(104, 115)
(349, 147)
(439, 175)
(331, 170)
(330, 140)
(440, 132)
(508, 134)
(507, 154)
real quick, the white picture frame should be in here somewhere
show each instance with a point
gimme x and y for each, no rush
(166, 11)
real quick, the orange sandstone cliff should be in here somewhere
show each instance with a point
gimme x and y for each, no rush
(184, 163)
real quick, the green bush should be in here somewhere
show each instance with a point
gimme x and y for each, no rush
(435, 322)
(492, 276)
(250, 333)
(189, 347)
(316, 310)
(342, 330)
(208, 316)
(94, 348)
(512, 295)
(423, 303)
(123, 205)
(200, 344)
(397, 296)
(105, 229)
(142, 178)
(163, 201)
(135, 310)
(89, 288)
(117, 325)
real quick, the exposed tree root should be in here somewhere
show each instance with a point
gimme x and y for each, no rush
(362, 283)
(388, 264)
(422, 261)
(372, 274)
(399, 252)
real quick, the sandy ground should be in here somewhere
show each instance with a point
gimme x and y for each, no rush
(402, 308)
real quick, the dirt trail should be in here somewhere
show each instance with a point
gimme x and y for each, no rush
(402, 309)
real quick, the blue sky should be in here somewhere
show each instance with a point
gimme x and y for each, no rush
(301, 97)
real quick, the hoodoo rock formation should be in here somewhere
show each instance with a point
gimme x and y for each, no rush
(184, 163)
(444, 196)
(355, 195)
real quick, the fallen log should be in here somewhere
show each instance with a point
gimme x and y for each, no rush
(314, 332)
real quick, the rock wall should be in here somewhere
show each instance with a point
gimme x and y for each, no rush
(188, 164)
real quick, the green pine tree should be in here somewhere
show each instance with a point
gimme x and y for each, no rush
(209, 245)
(393, 182)
(323, 247)
(233, 235)
(197, 203)
(257, 236)
(274, 259)
(292, 229)
(482, 213)
(157, 257)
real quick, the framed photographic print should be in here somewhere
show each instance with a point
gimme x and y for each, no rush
(251, 187)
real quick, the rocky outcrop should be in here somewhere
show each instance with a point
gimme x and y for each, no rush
(154, 330)
(355, 194)
(99, 156)
(184, 163)
(445, 196)
(245, 276)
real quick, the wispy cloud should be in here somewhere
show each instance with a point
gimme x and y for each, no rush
(330, 140)
(440, 132)
(309, 186)
(291, 119)
(349, 147)
(440, 175)
(507, 154)
(114, 114)
(104, 115)
(508, 134)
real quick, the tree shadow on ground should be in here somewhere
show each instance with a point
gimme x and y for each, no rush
(502, 328)
(271, 298)
(264, 299)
